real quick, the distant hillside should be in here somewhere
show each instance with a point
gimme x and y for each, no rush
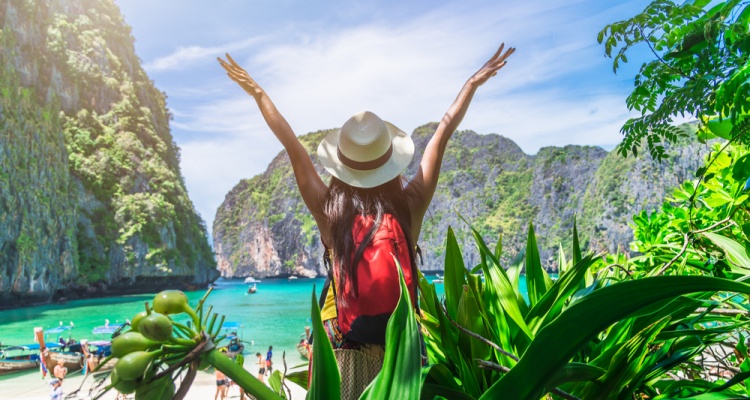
(92, 200)
(264, 229)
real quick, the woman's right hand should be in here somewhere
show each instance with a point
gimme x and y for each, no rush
(239, 75)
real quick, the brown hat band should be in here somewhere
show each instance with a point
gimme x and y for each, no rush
(365, 165)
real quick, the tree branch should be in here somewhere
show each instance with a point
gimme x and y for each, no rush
(661, 60)
(686, 240)
(187, 381)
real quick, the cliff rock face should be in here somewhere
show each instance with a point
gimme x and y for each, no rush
(263, 228)
(91, 194)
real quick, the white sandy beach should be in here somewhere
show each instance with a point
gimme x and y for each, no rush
(30, 386)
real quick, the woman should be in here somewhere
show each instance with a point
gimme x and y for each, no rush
(365, 158)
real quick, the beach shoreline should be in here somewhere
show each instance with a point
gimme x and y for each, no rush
(30, 386)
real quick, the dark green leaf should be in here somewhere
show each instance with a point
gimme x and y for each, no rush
(535, 280)
(326, 380)
(741, 169)
(576, 372)
(583, 320)
(455, 274)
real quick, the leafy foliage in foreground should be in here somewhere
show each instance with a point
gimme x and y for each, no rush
(569, 338)
(604, 339)
(705, 226)
(700, 69)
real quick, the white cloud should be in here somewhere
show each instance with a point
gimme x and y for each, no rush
(183, 57)
(212, 167)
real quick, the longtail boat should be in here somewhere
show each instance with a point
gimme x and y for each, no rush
(95, 351)
(20, 358)
(72, 360)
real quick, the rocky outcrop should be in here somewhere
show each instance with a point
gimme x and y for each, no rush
(91, 195)
(263, 228)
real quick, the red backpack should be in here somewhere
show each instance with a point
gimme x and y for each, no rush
(363, 318)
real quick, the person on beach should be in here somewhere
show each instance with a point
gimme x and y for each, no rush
(269, 362)
(57, 392)
(261, 367)
(60, 371)
(367, 197)
(222, 384)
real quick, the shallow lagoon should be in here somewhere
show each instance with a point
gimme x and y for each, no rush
(276, 315)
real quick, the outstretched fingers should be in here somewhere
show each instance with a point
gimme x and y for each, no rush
(507, 53)
(231, 60)
(499, 60)
(499, 51)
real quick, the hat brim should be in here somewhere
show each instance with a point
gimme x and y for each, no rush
(403, 152)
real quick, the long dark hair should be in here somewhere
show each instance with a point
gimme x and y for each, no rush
(344, 202)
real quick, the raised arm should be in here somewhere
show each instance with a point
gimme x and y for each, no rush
(425, 181)
(310, 184)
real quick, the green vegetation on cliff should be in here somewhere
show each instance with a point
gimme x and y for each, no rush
(263, 228)
(89, 161)
(37, 205)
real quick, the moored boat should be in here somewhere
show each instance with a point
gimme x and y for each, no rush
(13, 364)
(252, 289)
(304, 344)
(234, 336)
(20, 358)
(96, 351)
(72, 360)
(250, 279)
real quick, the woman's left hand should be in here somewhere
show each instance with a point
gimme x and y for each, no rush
(239, 75)
(490, 68)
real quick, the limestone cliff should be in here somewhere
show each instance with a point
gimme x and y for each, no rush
(263, 228)
(91, 194)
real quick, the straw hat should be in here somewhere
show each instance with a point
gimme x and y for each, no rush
(366, 151)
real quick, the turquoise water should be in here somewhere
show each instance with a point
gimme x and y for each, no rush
(276, 315)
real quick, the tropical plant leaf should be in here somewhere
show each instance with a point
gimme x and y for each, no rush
(576, 372)
(427, 298)
(300, 377)
(514, 275)
(275, 382)
(735, 252)
(536, 277)
(562, 261)
(326, 380)
(499, 246)
(432, 391)
(624, 365)
(499, 293)
(577, 257)
(583, 320)
(741, 169)
(439, 374)
(470, 319)
(455, 274)
(551, 304)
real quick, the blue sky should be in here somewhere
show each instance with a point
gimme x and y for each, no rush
(323, 61)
